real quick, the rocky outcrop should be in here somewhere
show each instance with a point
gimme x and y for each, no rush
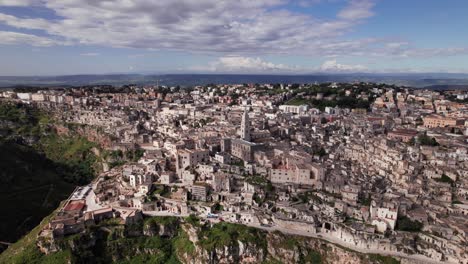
(163, 238)
(280, 248)
(156, 227)
(295, 249)
(91, 133)
(238, 252)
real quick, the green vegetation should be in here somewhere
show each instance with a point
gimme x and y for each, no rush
(333, 96)
(444, 179)
(383, 259)
(134, 155)
(425, 140)
(344, 102)
(305, 197)
(225, 234)
(289, 242)
(40, 170)
(117, 158)
(73, 153)
(166, 220)
(297, 101)
(111, 246)
(239, 163)
(25, 250)
(218, 207)
(297, 245)
(21, 120)
(272, 261)
(366, 201)
(406, 224)
(108, 243)
(257, 180)
(162, 190)
(31, 187)
(192, 220)
(320, 152)
(264, 184)
(313, 257)
(183, 244)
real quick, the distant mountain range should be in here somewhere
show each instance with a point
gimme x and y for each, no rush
(434, 80)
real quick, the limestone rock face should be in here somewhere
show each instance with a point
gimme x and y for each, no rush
(236, 252)
(91, 133)
(167, 230)
(195, 244)
(82, 242)
(160, 229)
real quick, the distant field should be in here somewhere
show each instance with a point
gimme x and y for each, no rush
(414, 80)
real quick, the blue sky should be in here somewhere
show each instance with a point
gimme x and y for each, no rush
(55, 37)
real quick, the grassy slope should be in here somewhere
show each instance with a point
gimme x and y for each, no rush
(114, 247)
(30, 189)
(34, 179)
(24, 251)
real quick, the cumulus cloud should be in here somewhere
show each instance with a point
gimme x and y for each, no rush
(241, 64)
(242, 26)
(406, 50)
(245, 65)
(15, 38)
(249, 63)
(358, 9)
(18, 2)
(90, 54)
(414, 52)
(334, 66)
(245, 27)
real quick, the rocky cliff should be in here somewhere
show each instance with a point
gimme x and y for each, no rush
(176, 240)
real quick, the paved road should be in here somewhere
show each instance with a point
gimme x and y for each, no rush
(334, 240)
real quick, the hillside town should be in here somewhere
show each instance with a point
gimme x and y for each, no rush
(372, 167)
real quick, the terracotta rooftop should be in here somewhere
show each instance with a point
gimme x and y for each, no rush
(75, 205)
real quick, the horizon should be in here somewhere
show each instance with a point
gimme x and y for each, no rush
(276, 37)
(387, 74)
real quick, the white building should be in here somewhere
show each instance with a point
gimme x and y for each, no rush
(295, 109)
(306, 174)
(383, 217)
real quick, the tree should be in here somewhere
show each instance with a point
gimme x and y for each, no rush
(321, 152)
(425, 140)
(406, 224)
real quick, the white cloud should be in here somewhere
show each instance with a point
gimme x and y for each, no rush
(18, 2)
(90, 54)
(334, 66)
(395, 45)
(15, 38)
(242, 27)
(241, 64)
(358, 9)
(215, 26)
(247, 63)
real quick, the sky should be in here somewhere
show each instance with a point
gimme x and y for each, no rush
(63, 37)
